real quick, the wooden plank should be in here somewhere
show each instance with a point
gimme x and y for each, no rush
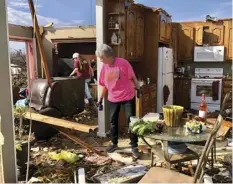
(60, 122)
(80, 142)
(225, 127)
(39, 41)
(227, 123)
(224, 122)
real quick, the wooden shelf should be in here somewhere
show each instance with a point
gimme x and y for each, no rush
(115, 13)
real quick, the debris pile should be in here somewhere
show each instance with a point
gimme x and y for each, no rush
(55, 160)
(222, 171)
(88, 116)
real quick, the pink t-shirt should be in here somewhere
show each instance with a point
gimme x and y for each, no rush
(117, 78)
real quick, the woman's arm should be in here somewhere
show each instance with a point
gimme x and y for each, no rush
(136, 83)
(90, 69)
(104, 90)
(74, 71)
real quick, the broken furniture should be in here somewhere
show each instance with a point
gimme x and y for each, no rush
(176, 135)
(64, 98)
(221, 132)
(163, 175)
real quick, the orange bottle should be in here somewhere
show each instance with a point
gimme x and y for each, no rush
(203, 109)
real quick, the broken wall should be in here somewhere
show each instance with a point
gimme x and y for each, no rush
(17, 32)
(67, 33)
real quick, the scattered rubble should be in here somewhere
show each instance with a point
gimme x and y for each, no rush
(88, 116)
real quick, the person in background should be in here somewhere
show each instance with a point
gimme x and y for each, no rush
(94, 68)
(82, 69)
(118, 78)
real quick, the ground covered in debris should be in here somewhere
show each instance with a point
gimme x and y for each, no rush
(55, 170)
(88, 116)
(58, 159)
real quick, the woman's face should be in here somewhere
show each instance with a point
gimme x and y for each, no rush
(76, 59)
(105, 60)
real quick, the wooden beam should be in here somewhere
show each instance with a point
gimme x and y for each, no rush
(39, 41)
(80, 142)
(59, 122)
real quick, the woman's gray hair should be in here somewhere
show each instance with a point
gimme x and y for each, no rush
(104, 50)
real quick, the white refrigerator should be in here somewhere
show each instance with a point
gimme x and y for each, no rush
(165, 76)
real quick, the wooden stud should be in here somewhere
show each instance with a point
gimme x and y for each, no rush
(39, 41)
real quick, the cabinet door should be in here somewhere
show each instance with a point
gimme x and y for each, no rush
(186, 42)
(168, 28)
(131, 25)
(174, 43)
(139, 35)
(228, 40)
(199, 35)
(216, 35)
(162, 30)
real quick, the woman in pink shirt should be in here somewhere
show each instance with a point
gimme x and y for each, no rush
(118, 78)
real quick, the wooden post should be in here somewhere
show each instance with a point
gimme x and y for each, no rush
(6, 102)
(39, 41)
(103, 116)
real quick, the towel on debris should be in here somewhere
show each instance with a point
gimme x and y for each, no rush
(215, 89)
(166, 93)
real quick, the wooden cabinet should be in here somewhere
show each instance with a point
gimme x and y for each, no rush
(186, 42)
(174, 41)
(131, 34)
(199, 34)
(148, 102)
(228, 40)
(135, 33)
(182, 91)
(139, 35)
(227, 87)
(164, 27)
(216, 35)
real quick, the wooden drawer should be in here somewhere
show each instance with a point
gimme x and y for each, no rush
(145, 98)
(153, 95)
(227, 84)
(145, 111)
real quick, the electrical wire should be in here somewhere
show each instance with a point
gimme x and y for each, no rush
(30, 99)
